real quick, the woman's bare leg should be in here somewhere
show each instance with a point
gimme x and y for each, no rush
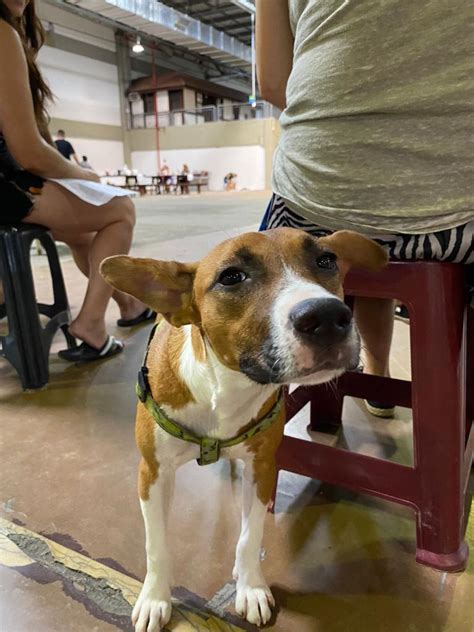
(374, 318)
(112, 223)
(80, 246)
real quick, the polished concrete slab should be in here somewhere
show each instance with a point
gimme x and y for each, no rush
(106, 594)
(337, 561)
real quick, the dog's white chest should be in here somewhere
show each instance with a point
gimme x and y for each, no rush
(225, 401)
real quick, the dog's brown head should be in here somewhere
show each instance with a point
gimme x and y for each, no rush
(269, 304)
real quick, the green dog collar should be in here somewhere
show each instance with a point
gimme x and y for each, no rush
(210, 447)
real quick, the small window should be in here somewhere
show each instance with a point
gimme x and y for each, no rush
(176, 100)
(149, 102)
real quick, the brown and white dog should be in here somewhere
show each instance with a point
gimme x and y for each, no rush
(261, 310)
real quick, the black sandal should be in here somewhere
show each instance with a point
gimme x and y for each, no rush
(148, 314)
(86, 353)
(379, 409)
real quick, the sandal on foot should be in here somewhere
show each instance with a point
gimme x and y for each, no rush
(86, 353)
(379, 409)
(148, 314)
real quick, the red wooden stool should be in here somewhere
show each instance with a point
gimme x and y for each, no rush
(442, 373)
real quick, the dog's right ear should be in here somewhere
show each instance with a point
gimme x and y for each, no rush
(165, 286)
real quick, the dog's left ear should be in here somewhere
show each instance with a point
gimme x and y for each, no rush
(165, 286)
(355, 251)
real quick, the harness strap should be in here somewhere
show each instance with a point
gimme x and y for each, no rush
(210, 447)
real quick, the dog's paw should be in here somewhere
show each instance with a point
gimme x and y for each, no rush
(151, 612)
(254, 603)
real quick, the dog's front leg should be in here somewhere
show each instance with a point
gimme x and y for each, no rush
(153, 608)
(254, 599)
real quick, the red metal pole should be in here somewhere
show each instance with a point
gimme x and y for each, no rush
(155, 107)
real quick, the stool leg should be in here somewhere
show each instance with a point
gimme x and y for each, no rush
(469, 370)
(438, 369)
(70, 340)
(60, 309)
(60, 302)
(23, 344)
(36, 353)
(58, 312)
(326, 407)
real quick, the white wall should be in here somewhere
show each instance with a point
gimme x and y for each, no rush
(103, 155)
(85, 89)
(189, 99)
(163, 101)
(76, 27)
(137, 107)
(247, 162)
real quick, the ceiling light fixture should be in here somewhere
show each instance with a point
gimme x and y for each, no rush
(138, 47)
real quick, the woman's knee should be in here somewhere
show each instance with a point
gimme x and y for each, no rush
(126, 210)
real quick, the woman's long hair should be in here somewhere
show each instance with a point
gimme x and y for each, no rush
(32, 35)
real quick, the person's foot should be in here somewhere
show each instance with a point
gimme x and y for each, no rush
(147, 315)
(379, 409)
(376, 408)
(92, 333)
(86, 353)
(130, 307)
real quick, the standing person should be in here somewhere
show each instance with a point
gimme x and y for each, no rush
(184, 178)
(377, 129)
(85, 164)
(28, 163)
(165, 173)
(164, 169)
(64, 146)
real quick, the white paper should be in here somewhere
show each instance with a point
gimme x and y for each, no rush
(93, 192)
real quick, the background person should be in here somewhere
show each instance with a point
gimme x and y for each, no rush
(230, 181)
(28, 161)
(184, 178)
(377, 129)
(64, 146)
(165, 173)
(85, 164)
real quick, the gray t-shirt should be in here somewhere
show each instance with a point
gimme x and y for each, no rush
(378, 129)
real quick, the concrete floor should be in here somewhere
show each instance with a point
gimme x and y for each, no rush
(71, 534)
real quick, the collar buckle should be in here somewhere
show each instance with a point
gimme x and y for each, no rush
(143, 387)
(210, 451)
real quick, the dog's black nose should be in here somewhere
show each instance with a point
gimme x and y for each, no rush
(325, 321)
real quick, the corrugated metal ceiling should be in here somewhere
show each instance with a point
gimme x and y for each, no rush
(160, 20)
(223, 15)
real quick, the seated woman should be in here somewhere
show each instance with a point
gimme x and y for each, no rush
(377, 129)
(28, 165)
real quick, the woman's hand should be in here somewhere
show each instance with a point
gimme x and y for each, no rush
(87, 174)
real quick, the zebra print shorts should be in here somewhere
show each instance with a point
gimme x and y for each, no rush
(455, 245)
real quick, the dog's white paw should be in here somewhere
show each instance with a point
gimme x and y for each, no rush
(254, 603)
(152, 610)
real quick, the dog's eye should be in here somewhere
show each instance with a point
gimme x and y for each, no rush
(327, 261)
(232, 276)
